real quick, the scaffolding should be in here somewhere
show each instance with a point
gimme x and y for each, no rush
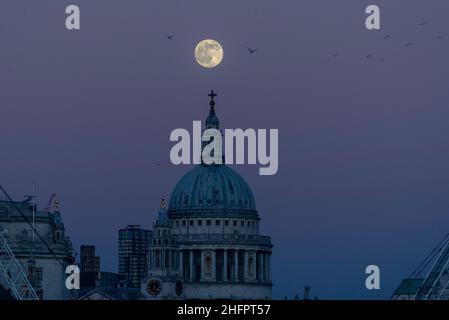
(430, 280)
(13, 273)
(435, 285)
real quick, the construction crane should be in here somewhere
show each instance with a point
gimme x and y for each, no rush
(430, 280)
(435, 285)
(11, 268)
(13, 272)
(52, 203)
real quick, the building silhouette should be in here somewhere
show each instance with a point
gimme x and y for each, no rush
(89, 266)
(133, 251)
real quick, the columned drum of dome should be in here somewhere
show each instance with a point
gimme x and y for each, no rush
(207, 244)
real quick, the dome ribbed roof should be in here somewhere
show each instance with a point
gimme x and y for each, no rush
(212, 189)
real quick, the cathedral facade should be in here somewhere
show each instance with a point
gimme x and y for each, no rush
(206, 244)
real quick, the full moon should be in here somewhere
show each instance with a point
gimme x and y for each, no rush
(209, 53)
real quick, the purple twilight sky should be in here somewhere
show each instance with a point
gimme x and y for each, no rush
(364, 142)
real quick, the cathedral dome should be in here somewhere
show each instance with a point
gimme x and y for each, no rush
(212, 189)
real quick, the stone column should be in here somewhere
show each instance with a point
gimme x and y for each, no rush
(175, 257)
(181, 263)
(269, 267)
(236, 265)
(203, 269)
(161, 255)
(265, 266)
(225, 265)
(260, 271)
(245, 266)
(168, 260)
(155, 254)
(214, 265)
(191, 266)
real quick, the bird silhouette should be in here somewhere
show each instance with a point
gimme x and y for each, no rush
(422, 24)
(252, 50)
(335, 55)
(387, 36)
(440, 37)
(369, 56)
(381, 59)
(169, 36)
(408, 44)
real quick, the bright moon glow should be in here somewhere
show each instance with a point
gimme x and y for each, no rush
(209, 53)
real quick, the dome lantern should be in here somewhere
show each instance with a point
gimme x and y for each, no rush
(212, 121)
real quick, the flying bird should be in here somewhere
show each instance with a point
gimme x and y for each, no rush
(369, 56)
(381, 59)
(440, 37)
(169, 36)
(252, 50)
(408, 44)
(422, 24)
(387, 36)
(335, 55)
